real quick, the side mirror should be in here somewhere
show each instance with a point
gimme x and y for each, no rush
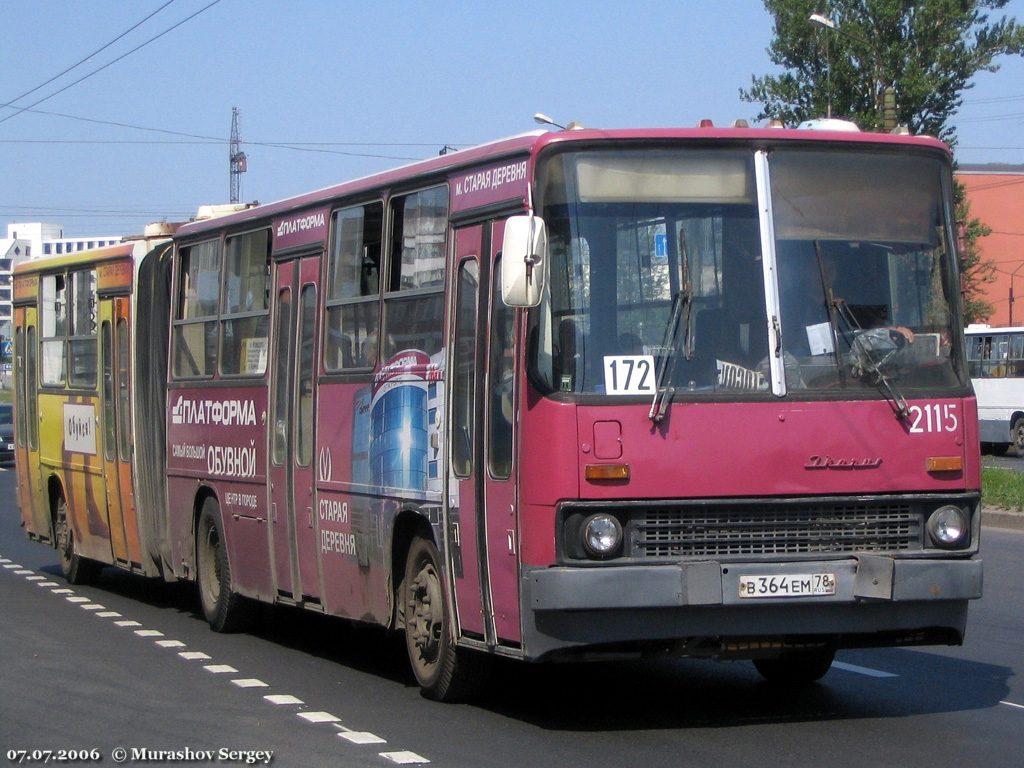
(524, 261)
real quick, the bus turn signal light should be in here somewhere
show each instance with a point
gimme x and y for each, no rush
(945, 464)
(607, 472)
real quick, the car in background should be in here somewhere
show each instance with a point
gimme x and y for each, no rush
(6, 435)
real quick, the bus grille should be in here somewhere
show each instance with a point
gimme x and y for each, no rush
(703, 531)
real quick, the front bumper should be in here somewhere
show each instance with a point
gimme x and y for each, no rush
(876, 597)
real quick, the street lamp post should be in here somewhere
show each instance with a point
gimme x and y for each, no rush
(884, 96)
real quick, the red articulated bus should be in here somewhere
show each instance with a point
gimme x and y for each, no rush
(700, 392)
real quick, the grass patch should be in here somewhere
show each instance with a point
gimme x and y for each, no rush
(1002, 488)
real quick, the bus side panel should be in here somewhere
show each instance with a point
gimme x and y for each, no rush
(216, 443)
(350, 511)
(69, 450)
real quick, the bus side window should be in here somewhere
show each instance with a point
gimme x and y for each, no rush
(353, 288)
(414, 294)
(195, 318)
(246, 311)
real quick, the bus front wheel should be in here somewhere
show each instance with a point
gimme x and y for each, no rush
(443, 671)
(798, 667)
(76, 569)
(1017, 436)
(225, 609)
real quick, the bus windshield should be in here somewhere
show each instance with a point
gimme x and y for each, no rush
(657, 269)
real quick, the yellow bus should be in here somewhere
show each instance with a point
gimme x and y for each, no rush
(80, 344)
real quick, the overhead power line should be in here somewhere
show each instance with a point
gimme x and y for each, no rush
(11, 102)
(110, 63)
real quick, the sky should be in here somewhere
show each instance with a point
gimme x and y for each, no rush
(331, 90)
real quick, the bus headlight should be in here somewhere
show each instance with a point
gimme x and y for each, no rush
(948, 526)
(602, 535)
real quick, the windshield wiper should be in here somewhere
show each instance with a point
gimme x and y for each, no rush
(682, 304)
(864, 347)
(862, 344)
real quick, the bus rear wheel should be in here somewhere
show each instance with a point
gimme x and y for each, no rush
(76, 569)
(798, 667)
(443, 671)
(225, 609)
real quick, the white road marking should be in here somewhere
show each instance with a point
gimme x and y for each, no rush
(249, 682)
(404, 758)
(1011, 704)
(283, 698)
(861, 670)
(23, 572)
(319, 717)
(362, 737)
(353, 737)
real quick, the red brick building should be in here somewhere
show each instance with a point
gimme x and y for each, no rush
(996, 196)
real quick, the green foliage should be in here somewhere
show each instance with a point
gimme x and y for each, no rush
(922, 52)
(1002, 488)
(925, 50)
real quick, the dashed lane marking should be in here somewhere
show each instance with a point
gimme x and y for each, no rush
(861, 670)
(249, 682)
(404, 758)
(283, 698)
(219, 669)
(319, 717)
(361, 737)
(357, 738)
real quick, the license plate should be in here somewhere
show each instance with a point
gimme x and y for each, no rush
(789, 585)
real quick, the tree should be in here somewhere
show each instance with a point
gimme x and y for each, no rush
(921, 54)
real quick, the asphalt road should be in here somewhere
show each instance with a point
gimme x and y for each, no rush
(76, 672)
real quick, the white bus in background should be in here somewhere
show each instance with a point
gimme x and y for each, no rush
(995, 358)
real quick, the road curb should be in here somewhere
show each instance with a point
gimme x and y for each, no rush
(993, 517)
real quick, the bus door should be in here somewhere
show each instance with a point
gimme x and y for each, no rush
(26, 429)
(293, 398)
(482, 490)
(115, 430)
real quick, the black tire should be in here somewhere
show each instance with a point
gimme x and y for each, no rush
(76, 569)
(1017, 436)
(796, 668)
(225, 609)
(444, 672)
